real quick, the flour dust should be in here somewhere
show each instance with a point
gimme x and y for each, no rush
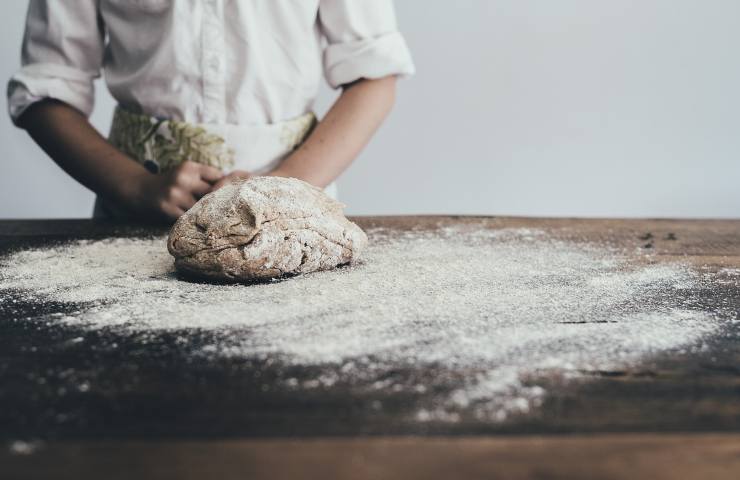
(489, 311)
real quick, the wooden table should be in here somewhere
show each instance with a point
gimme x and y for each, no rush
(676, 417)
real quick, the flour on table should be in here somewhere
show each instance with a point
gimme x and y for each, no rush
(263, 228)
(493, 309)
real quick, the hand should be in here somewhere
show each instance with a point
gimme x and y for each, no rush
(235, 176)
(172, 193)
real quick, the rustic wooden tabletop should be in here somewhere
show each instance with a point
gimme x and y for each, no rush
(676, 416)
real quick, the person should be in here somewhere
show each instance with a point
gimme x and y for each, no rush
(208, 92)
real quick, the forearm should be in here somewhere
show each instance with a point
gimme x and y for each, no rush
(342, 134)
(72, 142)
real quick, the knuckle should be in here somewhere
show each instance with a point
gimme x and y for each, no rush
(183, 177)
(183, 170)
(171, 192)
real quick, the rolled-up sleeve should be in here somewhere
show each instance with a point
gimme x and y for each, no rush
(363, 41)
(62, 54)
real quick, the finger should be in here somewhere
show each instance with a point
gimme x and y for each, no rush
(210, 174)
(221, 183)
(183, 199)
(187, 202)
(189, 179)
(172, 212)
(240, 175)
(200, 188)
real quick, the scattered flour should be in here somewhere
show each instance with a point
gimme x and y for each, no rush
(733, 272)
(495, 308)
(19, 447)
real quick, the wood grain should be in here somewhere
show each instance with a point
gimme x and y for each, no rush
(628, 457)
(161, 418)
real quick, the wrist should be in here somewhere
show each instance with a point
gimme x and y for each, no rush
(280, 171)
(132, 186)
(284, 170)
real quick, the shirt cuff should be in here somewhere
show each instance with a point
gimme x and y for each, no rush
(37, 82)
(371, 58)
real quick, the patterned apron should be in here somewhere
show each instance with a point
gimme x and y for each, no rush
(161, 145)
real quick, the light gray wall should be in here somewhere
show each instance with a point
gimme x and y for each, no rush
(519, 107)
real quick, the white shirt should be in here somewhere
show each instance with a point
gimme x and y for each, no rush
(210, 61)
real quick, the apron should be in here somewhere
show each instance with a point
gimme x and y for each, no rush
(160, 145)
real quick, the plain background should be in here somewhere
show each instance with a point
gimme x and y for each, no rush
(519, 107)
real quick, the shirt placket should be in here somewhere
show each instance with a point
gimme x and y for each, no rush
(212, 63)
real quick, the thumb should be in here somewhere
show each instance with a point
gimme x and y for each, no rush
(210, 174)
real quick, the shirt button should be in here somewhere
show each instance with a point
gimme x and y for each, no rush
(214, 63)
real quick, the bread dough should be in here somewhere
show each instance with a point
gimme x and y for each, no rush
(263, 228)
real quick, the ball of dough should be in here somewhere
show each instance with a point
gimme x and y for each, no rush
(263, 228)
